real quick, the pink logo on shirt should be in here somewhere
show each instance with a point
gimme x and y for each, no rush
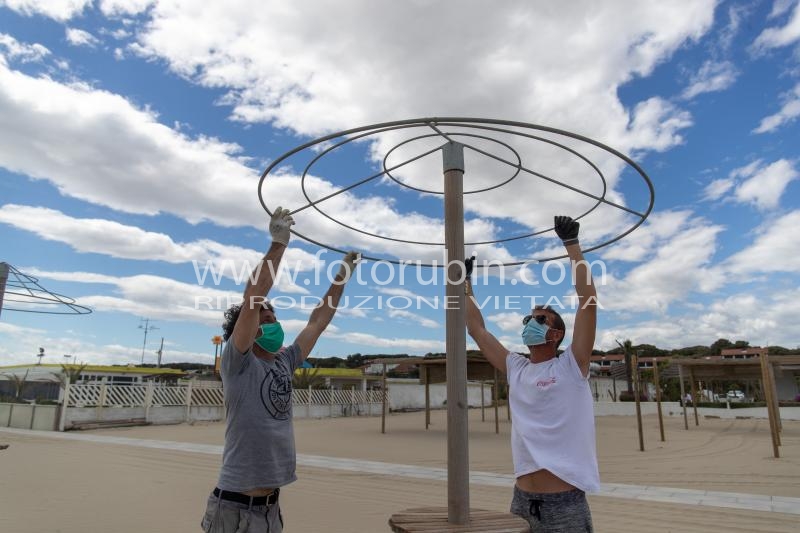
(544, 383)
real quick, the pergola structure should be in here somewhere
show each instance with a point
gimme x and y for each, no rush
(761, 368)
(434, 370)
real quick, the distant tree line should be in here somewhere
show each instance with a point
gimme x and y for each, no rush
(358, 360)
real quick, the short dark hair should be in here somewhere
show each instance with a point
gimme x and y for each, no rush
(232, 315)
(558, 322)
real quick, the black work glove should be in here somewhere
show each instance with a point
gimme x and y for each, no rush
(567, 229)
(468, 267)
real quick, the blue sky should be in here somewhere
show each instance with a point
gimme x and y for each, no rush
(134, 134)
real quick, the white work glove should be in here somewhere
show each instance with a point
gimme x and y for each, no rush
(348, 266)
(279, 225)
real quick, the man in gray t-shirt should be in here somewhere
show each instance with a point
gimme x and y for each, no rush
(257, 371)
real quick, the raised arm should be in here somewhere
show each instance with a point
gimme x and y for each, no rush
(492, 349)
(583, 332)
(261, 281)
(322, 315)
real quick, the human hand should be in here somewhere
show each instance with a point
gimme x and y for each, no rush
(468, 264)
(567, 229)
(279, 225)
(348, 265)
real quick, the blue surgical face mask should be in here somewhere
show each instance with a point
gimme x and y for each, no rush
(534, 333)
(270, 337)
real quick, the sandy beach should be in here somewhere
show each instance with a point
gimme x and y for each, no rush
(53, 484)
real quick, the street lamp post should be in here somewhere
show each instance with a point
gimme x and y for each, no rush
(146, 327)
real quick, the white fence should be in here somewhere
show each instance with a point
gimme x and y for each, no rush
(92, 404)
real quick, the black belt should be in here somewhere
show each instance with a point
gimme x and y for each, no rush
(238, 497)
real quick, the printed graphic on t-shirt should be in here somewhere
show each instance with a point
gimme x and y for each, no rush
(276, 394)
(546, 382)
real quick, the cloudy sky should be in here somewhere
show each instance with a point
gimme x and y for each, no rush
(133, 135)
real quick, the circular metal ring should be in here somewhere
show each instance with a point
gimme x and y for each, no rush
(395, 147)
(477, 123)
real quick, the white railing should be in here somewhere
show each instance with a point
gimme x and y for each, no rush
(335, 397)
(156, 403)
(175, 395)
(100, 395)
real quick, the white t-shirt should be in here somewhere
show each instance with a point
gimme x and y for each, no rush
(553, 420)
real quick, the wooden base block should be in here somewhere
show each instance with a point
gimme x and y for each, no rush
(434, 520)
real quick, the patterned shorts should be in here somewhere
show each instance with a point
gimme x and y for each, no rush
(558, 512)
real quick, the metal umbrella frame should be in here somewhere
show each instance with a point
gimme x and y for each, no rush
(453, 167)
(440, 126)
(24, 288)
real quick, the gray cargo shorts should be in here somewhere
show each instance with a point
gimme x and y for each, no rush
(558, 512)
(224, 516)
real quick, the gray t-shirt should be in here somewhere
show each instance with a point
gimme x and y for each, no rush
(259, 438)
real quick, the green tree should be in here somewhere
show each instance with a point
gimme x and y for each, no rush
(718, 345)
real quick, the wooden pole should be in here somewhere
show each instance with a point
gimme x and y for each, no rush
(508, 401)
(483, 414)
(775, 402)
(456, 341)
(683, 397)
(496, 401)
(694, 397)
(637, 393)
(427, 398)
(383, 400)
(658, 399)
(765, 386)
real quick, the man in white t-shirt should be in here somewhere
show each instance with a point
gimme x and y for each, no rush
(552, 434)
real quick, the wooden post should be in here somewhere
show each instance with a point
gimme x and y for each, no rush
(658, 399)
(308, 403)
(508, 401)
(694, 397)
(496, 402)
(774, 388)
(483, 415)
(766, 387)
(383, 400)
(456, 341)
(614, 385)
(637, 393)
(330, 397)
(683, 397)
(427, 398)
